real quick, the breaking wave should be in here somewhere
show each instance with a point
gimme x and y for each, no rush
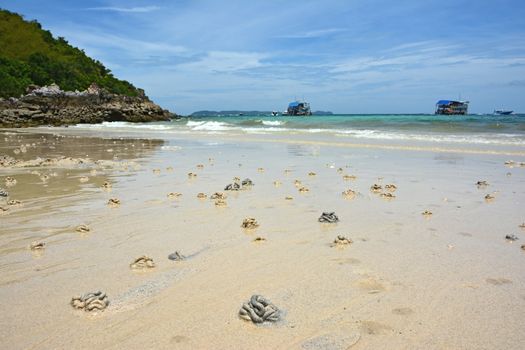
(423, 128)
(209, 126)
(124, 125)
(273, 122)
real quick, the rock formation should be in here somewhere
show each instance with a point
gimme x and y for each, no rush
(49, 105)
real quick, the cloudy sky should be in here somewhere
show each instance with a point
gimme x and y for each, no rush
(353, 56)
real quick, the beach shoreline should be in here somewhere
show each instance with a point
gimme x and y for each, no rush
(400, 284)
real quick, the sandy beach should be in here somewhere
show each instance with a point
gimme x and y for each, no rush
(449, 280)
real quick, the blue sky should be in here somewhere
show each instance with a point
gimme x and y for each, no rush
(354, 56)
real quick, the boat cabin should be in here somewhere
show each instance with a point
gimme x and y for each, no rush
(299, 108)
(449, 107)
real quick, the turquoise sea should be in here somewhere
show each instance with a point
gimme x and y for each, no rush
(469, 129)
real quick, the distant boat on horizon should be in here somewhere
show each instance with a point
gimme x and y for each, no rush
(300, 108)
(503, 111)
(451, 107)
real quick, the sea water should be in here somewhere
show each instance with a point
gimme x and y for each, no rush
(428, 128)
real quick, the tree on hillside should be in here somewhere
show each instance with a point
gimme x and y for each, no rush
(31, 55)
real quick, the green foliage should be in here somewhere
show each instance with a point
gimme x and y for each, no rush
(30, 55)
(13, 77)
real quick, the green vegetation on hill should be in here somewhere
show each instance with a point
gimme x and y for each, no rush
(30, 55)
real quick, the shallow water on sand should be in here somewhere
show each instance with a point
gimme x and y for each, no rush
(450, 280)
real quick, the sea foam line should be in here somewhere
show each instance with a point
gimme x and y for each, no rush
(386, 147)
(217, 127)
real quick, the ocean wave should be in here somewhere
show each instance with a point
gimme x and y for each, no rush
(273, 122)
(267, 130)
(265, 127)
(258, 122)
(495, 139)
(170, 148)
(209, 126)
(124, 125)
(500, 139)
(195, 123)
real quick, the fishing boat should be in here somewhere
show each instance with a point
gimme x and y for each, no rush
(502, 111)
(450, 107)
(301, 108)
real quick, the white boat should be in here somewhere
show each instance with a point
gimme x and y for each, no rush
(502, 111)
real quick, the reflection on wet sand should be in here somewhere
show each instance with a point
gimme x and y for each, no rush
(49, 175)
(299, 150)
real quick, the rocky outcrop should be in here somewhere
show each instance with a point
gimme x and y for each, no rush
(49, 105)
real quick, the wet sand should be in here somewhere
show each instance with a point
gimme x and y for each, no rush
(449, 280)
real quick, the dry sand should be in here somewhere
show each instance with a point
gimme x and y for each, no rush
(449, 280)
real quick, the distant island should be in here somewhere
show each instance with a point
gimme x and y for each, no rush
(45, 80)
(243, 113)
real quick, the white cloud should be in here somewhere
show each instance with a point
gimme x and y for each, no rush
(131, 47)
(312, 34)
(225, 62)
(423, 46)
(418, 60)
(137, 9)
(407, 56)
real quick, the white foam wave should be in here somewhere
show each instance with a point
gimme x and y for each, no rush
(501, 139)
(194, 123)
(209, 126)
(495, 139)
(170, 148)
(276, 126)
(124, 125)
(273, 122)
(266, 130)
